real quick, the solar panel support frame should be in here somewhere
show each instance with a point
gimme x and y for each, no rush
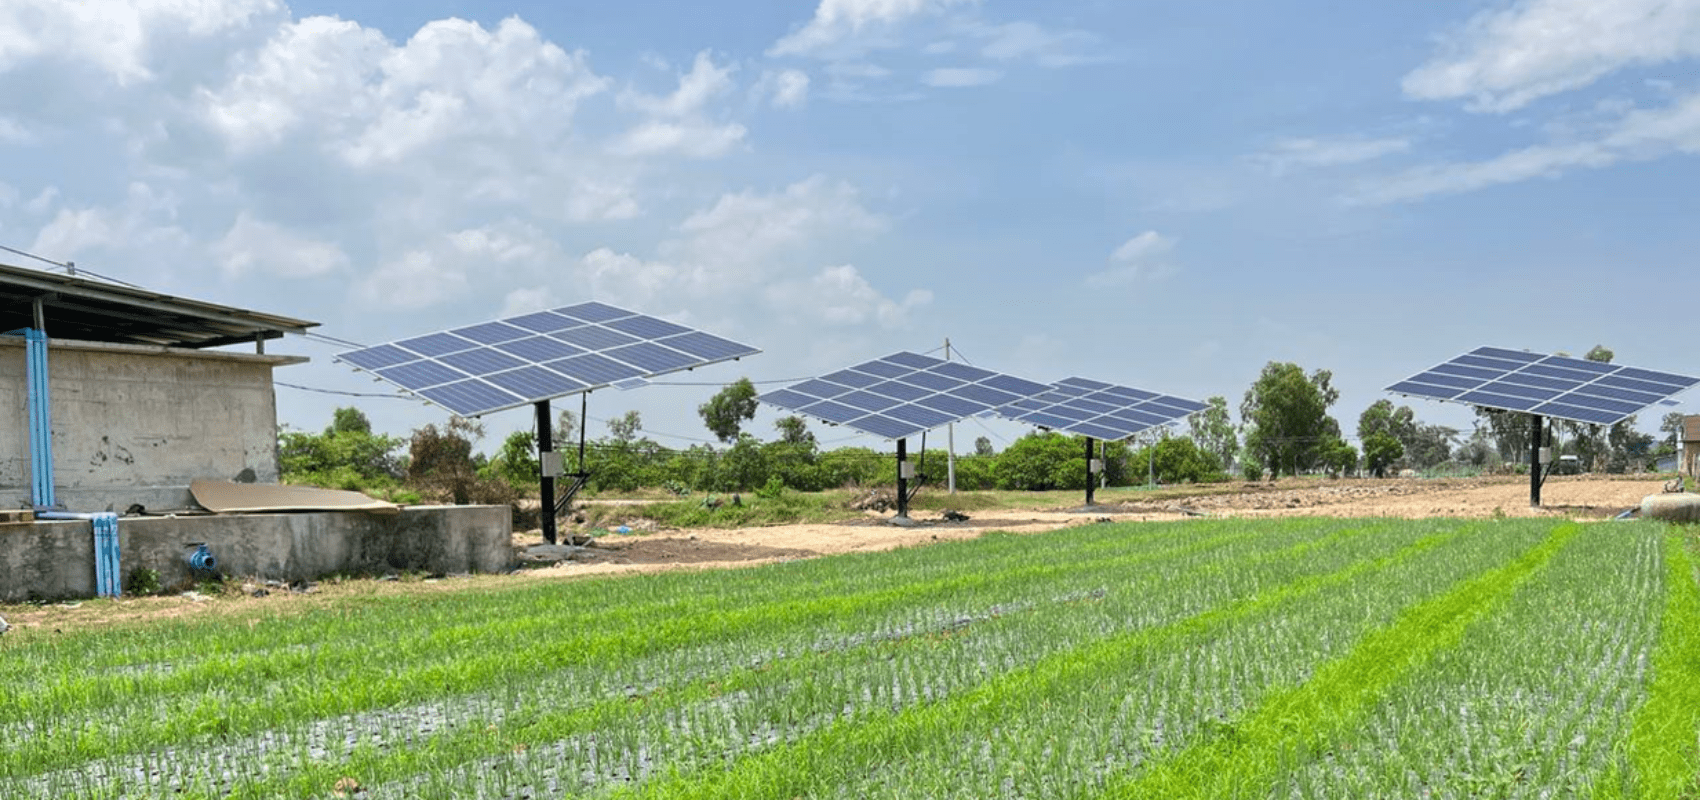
(550, 507)
(902, 482)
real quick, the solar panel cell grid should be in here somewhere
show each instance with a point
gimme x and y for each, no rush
(490, 332)
(886, 426)
(594, 312)
(932, 380)
(1098, 431)
(884, 369)
(785, 398)
(951, 404)
(836, 413)
(1580, 365)
(1663, 378)
(914, 360)
(1443, 379)
(1499, 400)
(1468, 372)
(1510, 355)
(420, 374)
(1096, 386)
(852, 378)
(920, 415)
(957, 369)
(1489, 363)
(647, 327)
(538, 356)
(482, 361)
(900, 389)
(383, 355)
(1575, 376)
(1557, 386)
(867, 401)
(1425, 390)
(437, 345)
(986, 395)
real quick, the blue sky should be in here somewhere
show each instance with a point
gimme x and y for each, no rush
(1160, 195)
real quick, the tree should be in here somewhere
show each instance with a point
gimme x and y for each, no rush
(624, 429)
(441, 458)
(794, 430)
(1337, 457)
(726, 412)
(1180, 460)
(983, 447)
(1381, 450)
(1288, 416)
(1430, 445)
(1213, 430)
(349, 419)
(1509, 431)
(1384, 430)
(516, 462)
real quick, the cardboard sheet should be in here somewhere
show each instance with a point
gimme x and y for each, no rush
(226, 497)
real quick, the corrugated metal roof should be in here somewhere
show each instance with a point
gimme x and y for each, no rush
(97, 311)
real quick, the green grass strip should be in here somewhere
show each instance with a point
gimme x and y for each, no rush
(1242, 758)
(1664, 757)
(829, 756)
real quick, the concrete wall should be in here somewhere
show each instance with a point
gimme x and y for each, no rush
(55, 560)
(135, 424)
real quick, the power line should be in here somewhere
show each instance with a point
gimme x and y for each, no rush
(345, 394)
(69, 266)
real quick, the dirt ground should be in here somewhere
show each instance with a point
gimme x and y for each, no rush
(1581, 497)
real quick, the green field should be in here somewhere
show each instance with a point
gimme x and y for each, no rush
(1290, 658)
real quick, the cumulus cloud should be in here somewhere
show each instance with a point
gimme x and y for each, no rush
(959, 77)
(456, 264)
(116, 37)
(1504, 58)
(836, 21)
(1029, 41)
(783, 89)
(1143, 257)
(252, 245)
(679, 123)
(841, 296)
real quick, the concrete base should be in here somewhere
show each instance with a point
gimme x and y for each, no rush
(55, 560)
(1673, 507)
(902, 522)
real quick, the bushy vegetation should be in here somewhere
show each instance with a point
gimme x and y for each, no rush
(1301, 658)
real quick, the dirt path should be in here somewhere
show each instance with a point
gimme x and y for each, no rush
(1583, 497)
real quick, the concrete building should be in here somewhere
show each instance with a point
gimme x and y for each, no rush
(138, 406)
(1689, 448)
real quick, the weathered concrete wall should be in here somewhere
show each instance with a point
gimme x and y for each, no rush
(134, 424)
(55, 560)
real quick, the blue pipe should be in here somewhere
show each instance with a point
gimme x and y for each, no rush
(106, 561)
(202, 559)
(40, 419)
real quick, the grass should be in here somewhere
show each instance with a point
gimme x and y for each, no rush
(1207, 658)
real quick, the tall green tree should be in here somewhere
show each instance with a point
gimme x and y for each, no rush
(1214, 432)
(726, 412)
(1671, 427)
(1287, 415)
(983, 446)
(624, 429)
(794, 430)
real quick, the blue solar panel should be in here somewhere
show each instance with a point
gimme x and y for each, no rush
(538, 349)
(594, 370)
(594, 337)
(437, 344)
(490, 333)
(594, 312)
(383, 355)
(1555, 386)
(884, 369)
(836, 413)
(534, 382)
(545, 322)
(420, 374)
(957, 369)
(470, 397)
(647, 327)
(707, 347)
(900, 390)
(538, 356)
(482, 361)
(1100, 410)
(901, 395)
(886, 426)
(653, 358)
(1010, 383)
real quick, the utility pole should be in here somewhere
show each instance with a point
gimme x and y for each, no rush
(949, 440)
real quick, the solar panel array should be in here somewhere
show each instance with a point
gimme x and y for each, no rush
(1100, 410)
(903, 394)
(520, 360)
(1552, 386)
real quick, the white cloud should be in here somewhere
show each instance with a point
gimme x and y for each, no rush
(1289, 154)
(958, 77)
(146, 219)
(14, 132)
(1143, 257)
(1638, 135)
(252, 245)
(704, 83)
(783, 89)
(374, 103)
(841, 296)
(689, 139)
(525, 301)
(1505, 58)
(117, 37)
(836, 21)
(756, 226)
(678, 123)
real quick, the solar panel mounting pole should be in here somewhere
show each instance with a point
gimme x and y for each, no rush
(902, 480)
(546, 479)
(1091, 479)
(950, 440)
(1535, 442)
